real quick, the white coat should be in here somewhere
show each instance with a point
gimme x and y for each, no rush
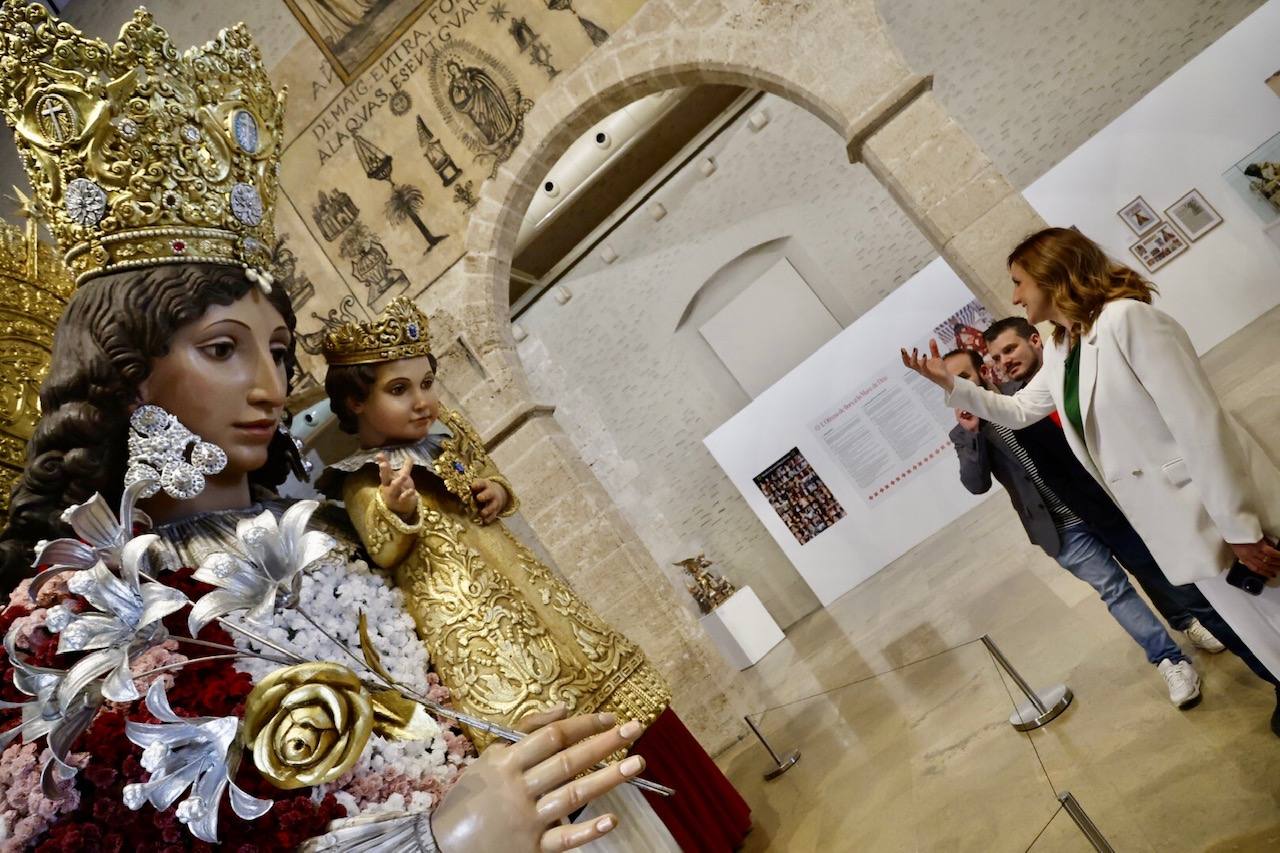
(1187, 476)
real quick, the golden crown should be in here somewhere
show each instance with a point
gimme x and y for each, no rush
(139, 155)
(401, 331)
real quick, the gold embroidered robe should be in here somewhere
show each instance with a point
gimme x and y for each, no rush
(506, 635)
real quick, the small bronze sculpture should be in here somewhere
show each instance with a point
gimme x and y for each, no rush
(708, 589)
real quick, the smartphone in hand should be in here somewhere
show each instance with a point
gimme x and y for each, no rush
(1245, 578)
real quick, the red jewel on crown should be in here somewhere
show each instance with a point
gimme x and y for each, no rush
(179, 247)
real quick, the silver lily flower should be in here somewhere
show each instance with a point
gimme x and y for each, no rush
(127, 622)
(101, 536)
(268, 572)
(200, 753)
(42, 716)
(383, 832)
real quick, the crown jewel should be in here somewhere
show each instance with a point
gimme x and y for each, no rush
(140, 155)
(399, 332)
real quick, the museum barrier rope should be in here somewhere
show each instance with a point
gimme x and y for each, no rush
(1039, 708)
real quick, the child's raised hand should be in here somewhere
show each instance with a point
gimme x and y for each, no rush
(491, 498)
(398, 491)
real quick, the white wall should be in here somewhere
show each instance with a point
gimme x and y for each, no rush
(1185, 134)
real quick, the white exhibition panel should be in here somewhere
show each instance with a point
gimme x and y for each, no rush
(873, 533)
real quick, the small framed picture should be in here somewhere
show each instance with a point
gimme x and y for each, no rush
(1139, 216)
(1195, 216)
(1162, 245)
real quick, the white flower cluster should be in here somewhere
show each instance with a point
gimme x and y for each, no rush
(334, 591)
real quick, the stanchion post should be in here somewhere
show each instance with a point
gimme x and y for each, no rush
(1087, 827)
(1042, 706)
(780, 765)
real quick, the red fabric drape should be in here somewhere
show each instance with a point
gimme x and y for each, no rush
(707, 815)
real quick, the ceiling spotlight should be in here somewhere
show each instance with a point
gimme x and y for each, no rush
(551, 188)
(603, 139)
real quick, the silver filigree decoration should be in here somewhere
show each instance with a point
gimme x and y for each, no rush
(128, 129)
(197, 753)
(269, 571)
(246, 204)
(307, 466)
(86, 202)
(385, 832)
(126, 622)
(191, 133)
(245, 129)
(100, 536)
(158, 445)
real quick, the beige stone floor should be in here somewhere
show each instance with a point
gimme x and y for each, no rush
(923, 759)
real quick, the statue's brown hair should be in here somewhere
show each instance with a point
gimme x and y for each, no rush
(112, 330)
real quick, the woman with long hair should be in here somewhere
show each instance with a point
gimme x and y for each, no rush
(1141, 415)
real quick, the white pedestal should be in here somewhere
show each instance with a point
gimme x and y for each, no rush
(742, 629)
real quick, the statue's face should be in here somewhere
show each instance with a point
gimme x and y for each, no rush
(402, 404)
(224, 378)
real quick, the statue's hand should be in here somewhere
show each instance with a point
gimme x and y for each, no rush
(491, 497)
(398, 490)
(513, 797)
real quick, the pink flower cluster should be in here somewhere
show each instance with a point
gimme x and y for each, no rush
(153, 658)
(372, 788)
(53, 592)
(25, 812)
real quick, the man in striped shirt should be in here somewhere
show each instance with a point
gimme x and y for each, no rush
(986, 449)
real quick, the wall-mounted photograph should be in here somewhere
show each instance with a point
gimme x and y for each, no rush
(1193, 215)
(1159, 247)
(799, 496)
(1139, 216)
(1256, 178)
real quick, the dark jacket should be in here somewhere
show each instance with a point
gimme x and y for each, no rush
(1046, 444)
(983, 455)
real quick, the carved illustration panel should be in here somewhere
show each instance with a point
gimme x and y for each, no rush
(382, 168)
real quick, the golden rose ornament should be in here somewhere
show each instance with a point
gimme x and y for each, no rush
(307, 724)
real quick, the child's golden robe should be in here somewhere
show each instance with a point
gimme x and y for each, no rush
(506, 635)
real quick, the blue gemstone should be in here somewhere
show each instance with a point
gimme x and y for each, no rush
(413, 331)
(457, 466)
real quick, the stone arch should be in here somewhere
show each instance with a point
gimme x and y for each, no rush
(832, 57)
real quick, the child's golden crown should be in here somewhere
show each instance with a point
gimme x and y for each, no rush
(400, 331)
(138, 154)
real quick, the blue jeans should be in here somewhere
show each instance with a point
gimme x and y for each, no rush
(1086, 557)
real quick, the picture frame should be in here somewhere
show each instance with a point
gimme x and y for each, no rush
(1139, 216)
(1163, 244)
(1193, 215)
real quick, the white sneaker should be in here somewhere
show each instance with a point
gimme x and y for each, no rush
(1201, 638)
(1183, 682)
